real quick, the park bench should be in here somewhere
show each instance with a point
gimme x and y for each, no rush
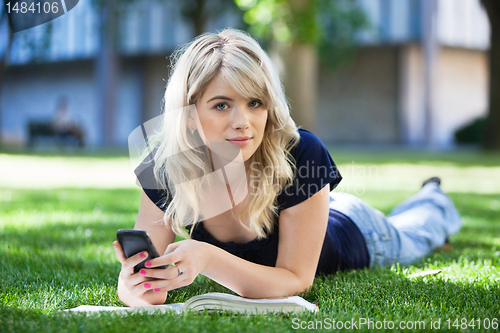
(44, 130)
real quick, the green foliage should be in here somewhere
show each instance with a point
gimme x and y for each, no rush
(330, 26)
(56, 253)
(204, 10)
(342, 22)
(472, 132)
(37, 45)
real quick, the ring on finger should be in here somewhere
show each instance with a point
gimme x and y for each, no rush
(178, 270)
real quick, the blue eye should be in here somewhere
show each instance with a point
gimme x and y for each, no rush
(255, 106)
(217, 106)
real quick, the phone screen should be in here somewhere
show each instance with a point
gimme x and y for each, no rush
(134, 241)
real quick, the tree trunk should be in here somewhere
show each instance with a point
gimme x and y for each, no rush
(3, 65)
(492, 129)
(300, 81)
(106, 71)
(200, 17)
(300, 77)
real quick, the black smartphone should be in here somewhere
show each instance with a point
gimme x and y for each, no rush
(134, 241)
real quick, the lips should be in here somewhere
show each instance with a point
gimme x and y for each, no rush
(240, 140)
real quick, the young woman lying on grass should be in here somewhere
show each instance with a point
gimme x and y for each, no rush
(225, 95)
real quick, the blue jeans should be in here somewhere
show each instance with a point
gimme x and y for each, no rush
(413, 229)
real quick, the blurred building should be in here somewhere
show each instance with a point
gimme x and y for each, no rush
(380, 97)
(149, 32)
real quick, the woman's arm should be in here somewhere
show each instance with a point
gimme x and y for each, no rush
(302, 233)
(150, 219)
(301, 237)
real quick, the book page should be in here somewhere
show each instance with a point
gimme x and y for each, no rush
(229, 302)
(176, 307)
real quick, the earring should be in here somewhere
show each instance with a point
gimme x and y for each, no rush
(192, 131)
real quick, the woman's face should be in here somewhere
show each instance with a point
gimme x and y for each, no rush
(225, 116)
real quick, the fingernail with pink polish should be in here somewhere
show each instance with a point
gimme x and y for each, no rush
(147, 264)
(143, 254)
(156, 289)
(142, 272)
(147, 285)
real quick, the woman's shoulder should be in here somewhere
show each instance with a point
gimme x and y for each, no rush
(306, 133)
(309, 145)
(308, 139)
(314, 168)
(145, 177)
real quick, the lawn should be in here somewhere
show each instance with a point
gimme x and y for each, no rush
(59, 216)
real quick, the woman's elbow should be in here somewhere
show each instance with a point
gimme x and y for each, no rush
(307, 285)
(302, 285)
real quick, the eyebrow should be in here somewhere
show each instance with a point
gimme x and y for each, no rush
(220, 97)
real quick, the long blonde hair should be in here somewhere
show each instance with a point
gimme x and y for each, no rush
(247, 67)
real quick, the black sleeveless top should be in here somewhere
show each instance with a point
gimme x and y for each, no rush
(343, 246)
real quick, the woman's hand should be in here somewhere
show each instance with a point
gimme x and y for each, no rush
(134, 289)
(189, 257)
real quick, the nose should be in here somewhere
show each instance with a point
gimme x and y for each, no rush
(239, 119)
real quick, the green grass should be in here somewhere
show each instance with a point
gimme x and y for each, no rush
(56, 253)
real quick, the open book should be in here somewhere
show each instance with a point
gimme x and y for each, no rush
(217, 302)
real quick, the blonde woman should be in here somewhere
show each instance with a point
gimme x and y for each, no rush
(288, 226)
